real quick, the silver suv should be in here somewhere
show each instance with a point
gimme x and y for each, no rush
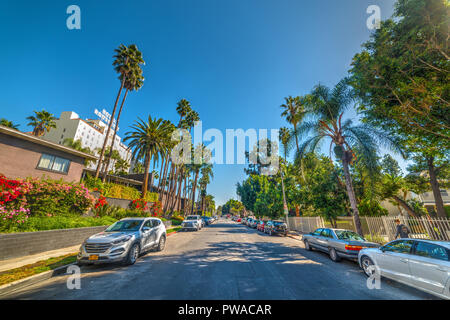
(193, 222)
(123, 241)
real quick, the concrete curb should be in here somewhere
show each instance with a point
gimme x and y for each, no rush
(22, 283)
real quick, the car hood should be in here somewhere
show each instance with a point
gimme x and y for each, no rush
(184, 221)
(106, 237)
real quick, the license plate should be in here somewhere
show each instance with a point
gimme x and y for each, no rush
(93, 257)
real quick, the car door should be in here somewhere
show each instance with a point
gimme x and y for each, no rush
(146, 234)
(430, 267)
(323, 239)
(313, 239)
(393, 260)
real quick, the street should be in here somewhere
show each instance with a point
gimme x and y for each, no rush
(224, 261)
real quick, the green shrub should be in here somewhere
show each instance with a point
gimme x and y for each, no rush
(58, 222)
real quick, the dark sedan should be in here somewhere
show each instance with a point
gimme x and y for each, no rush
(274, 227)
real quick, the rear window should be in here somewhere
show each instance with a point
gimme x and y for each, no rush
(348, 235)
(191, 218)
(431, 250)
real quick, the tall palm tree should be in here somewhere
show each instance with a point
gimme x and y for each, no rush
(126, 60)
(285, 136)
(294, 112)
(9, 124)
(327, 108)
(133, 82)
(200, 159)
(147, 140)
(207, 174)
(42, 122)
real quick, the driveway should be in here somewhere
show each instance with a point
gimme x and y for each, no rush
(224, 261)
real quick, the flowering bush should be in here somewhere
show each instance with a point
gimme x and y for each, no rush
(10, 218)
(101, 202)
(139, 205)
(9, 190)
(156, 209)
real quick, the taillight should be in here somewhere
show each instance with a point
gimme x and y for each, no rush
(352, 248)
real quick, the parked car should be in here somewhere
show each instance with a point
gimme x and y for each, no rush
(123, 241)
(260, 226)
(207, 220)
(244, 220)
(192, 222)
(338, 243)
(253, 223)
(238, 220)
(422, 264)
(276, 227)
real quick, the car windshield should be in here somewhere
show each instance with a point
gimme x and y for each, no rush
(125, 225)
(191, 218)
(348, 235)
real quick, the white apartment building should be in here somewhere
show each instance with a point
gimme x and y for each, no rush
(91, 133)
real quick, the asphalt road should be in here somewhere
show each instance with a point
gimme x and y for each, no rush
(224, 261)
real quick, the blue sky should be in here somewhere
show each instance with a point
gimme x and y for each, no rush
(234, 60)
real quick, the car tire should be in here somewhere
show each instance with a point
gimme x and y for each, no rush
(307, 246)
(333, 255)
(366, 262)
(133, 254)
(161, 243)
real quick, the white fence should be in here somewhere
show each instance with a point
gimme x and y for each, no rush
(379, 229)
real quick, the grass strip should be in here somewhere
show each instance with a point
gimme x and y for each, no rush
(36, 268)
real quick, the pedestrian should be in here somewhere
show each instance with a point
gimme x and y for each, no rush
(402, 230)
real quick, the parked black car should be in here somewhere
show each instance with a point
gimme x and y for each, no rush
(276, 227)
(207, 220)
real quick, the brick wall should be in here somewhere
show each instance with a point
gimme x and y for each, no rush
(14, 245)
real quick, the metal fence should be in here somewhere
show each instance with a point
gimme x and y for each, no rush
(379, 229)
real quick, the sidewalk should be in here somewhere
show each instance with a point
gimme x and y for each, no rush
(295, 235)
(22, 261)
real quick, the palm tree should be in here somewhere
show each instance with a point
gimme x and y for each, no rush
(121, 167)
(134, 82)
(294, 112)
(200, 159)
(42, 122)
(285, 136)
(9, 124)
(126, 60)
(327, 107)
(147, 140)
(207, 175)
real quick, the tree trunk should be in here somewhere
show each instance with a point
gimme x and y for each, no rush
(146, 170)
(102, 153)
(436, 190)
(296, 137)
(114, 135)
(351, 191)
(405, 206)
(194, 187)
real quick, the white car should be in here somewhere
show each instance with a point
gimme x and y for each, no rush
(422, 264)
(192, 222)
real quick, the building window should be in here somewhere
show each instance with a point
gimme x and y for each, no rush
(53, 163)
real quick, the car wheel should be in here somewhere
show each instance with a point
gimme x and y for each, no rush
(162, 243)
(133, 254)
(367, 265)
(307, 246)
(333, 255)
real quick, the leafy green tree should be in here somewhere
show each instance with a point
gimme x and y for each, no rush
(41, 122)
(328, 107)
(9, 124)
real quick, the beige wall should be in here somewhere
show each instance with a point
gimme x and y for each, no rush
(19, 159)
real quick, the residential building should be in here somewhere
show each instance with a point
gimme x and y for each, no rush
(91, 133)
(23, 155)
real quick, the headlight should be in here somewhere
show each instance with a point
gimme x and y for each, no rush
(123, 240)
